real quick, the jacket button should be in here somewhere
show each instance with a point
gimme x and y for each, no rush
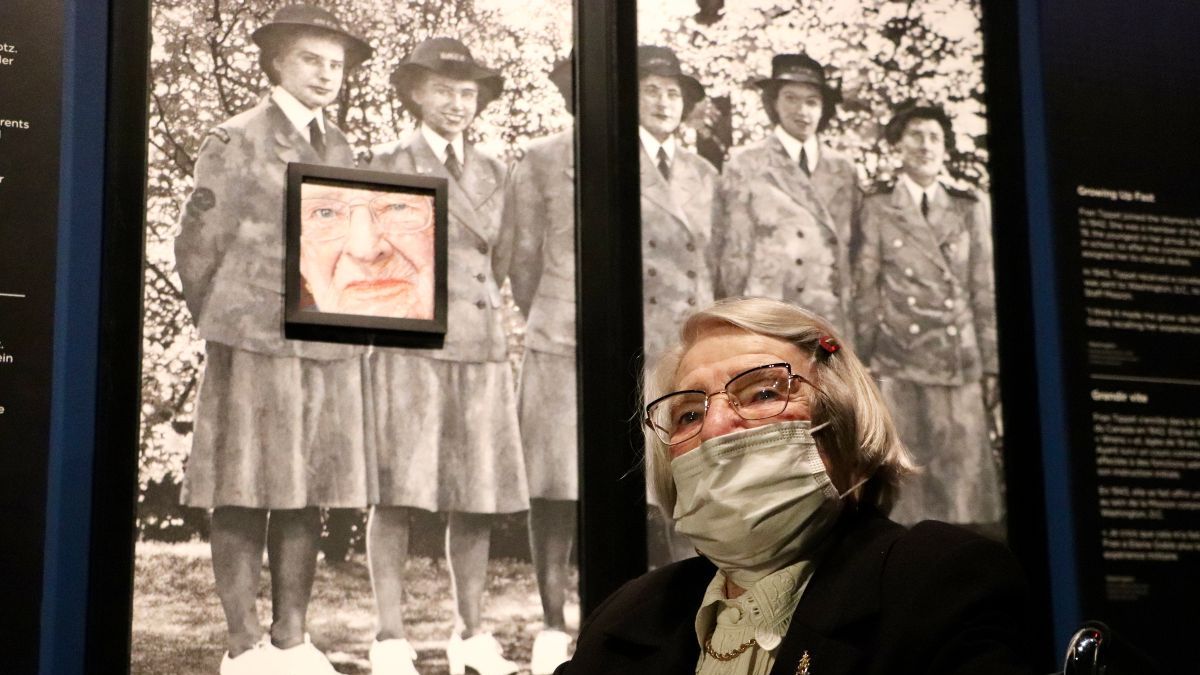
(480, 278)
(908, 271)
(480, 304)
(653, 300)
(692, 301)
(914, 328)
(482, 248)
(898, 243)
(951, 330)
(652, 243)
(949, 303)
(691, 274)
(799, 289)
(799, 261)
(690, 246)
(912, 302)
(800, 233)
(651, 272)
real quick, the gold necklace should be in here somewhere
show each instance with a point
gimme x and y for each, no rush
(730, 655)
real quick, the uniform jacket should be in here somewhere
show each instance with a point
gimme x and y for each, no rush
(788, 235)
(230, 248)
(678, 262)
(474, 331)
(539, 242)
(936, 600)
(926, 305)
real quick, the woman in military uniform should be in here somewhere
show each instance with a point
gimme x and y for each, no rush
(790, 201)
(539, 229)
(927, 322)
(678, 208)
(279, 423)
(445, 420)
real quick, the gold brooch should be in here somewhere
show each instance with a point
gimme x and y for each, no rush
(805, 662)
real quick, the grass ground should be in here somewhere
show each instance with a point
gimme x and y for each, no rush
(178, 627)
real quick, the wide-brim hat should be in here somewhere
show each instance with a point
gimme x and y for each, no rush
(655, 60)
(561, 76)
(799, 69)
(292, 17)
(922, 108)
(450, 58)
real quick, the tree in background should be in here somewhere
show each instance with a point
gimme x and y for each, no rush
(203, 70)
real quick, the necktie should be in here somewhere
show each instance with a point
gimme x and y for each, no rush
(452, 164)
(804, 162)
(664, 164)
(925, 205)
(316, 138)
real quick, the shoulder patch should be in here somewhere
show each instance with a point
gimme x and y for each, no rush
(219, 133)
(969, 195)
(203, 199)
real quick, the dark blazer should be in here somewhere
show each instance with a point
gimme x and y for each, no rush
(883, 600)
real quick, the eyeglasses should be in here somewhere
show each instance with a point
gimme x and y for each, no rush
(755, 394)
(328, 219)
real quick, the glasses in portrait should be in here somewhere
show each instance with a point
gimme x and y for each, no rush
(367, 252)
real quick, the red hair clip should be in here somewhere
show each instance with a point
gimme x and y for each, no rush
(829, 344)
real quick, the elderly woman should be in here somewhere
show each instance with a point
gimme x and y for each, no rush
(777, 458)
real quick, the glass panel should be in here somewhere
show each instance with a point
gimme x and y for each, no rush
(259, 452)
(833, 154)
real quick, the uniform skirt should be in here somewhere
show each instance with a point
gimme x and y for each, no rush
(946, 430)
(277, 433)
(549, 425)
(446, 434)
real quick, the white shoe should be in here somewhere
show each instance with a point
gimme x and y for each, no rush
(303, 659)
(549, 651)
(481, 653)
(393, 657)
(254, 661)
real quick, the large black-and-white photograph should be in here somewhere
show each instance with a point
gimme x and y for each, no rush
(310, 507)
(833, 154)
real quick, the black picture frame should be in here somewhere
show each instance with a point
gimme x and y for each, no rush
(304, 321)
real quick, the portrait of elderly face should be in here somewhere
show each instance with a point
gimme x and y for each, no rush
(660, 105)
(922, 148)
(310, 67)
(448, 105)
(367, 252)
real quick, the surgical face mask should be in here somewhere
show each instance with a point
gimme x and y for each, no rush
(755, 501)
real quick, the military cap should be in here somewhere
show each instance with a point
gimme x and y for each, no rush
(655, 60)
(922, 109)
(291, 17)
(561, 76)
(799, 69)
(450, 58)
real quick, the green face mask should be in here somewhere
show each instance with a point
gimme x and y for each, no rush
(755, 501)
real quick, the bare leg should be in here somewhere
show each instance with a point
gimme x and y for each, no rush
(293, 536)
(552, 528)
(468, 536)
(237, 538)
(387, 551)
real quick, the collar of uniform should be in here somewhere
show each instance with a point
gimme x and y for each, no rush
(916, 191)
(812, 147)
(438, 144)
(651, 144)
(769, 604)
(297, 113)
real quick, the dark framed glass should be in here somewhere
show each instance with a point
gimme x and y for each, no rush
(755, 394)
